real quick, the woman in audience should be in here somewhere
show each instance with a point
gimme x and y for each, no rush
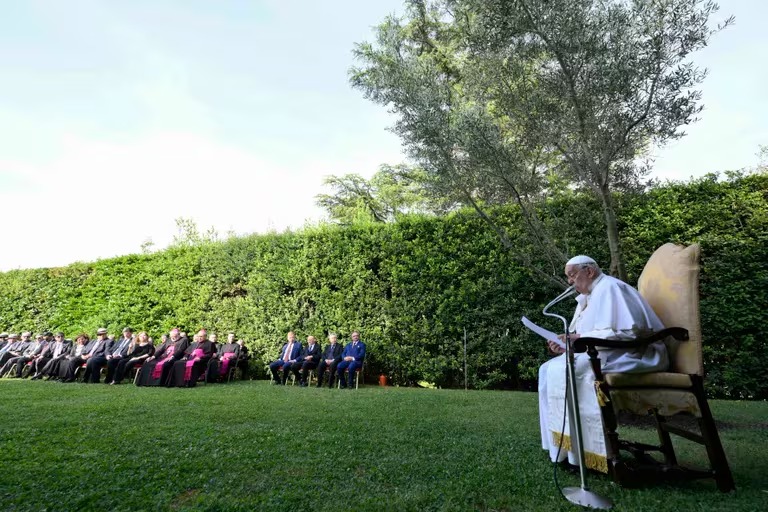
(138, 351)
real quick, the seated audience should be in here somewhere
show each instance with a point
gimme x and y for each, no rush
(242, 359)
(351, 359)
(288, 355)
(54, 352)
(96, 357)
(83, 344)
(14, 348)
(140, 349)
(329, 360)
(158, 367)
(224, 359)
(15, 365)
(187, 369)
(117, 353)
(307, 361)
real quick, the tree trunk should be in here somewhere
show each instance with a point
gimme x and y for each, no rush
(612, 230)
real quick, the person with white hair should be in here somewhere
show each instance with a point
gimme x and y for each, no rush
(606, 308)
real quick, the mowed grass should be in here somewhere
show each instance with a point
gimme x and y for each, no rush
(251, 446)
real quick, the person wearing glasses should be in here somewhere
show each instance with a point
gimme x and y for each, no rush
(606, 308)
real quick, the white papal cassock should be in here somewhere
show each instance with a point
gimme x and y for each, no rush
(612, 310)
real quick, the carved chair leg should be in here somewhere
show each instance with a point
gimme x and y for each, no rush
(665, 439)
(717, 460)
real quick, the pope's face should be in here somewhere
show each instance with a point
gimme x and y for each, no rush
(580, 277)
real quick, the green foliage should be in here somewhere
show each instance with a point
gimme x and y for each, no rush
(730, 221)
(413, 286)
(492, 97)
(392, 191)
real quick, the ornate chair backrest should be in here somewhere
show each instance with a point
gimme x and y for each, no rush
(670, 284)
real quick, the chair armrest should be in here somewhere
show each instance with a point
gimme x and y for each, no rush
(582, 344)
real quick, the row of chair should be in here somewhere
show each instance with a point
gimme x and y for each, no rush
(312, 376)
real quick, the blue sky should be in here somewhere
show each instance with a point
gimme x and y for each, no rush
(117, 117)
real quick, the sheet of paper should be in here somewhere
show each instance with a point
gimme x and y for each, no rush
(547, 335)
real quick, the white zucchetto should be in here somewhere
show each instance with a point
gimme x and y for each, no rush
(580, 260)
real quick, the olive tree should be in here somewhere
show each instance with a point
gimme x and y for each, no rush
(500, 100)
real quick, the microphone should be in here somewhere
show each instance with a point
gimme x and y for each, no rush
(567, 293)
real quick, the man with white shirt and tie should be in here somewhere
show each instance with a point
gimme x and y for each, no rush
(117, 352)
(289, 354)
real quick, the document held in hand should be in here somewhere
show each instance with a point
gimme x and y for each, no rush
(547, 335)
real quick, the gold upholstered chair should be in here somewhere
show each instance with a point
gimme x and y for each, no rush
(670, 284)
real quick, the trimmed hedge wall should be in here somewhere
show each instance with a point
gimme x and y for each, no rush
(412, 287)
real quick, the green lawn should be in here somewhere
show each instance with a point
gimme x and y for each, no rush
(250, 446)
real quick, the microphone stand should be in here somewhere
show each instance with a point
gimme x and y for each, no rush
(577, 495)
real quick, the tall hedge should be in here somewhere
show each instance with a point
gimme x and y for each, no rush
(413, 287)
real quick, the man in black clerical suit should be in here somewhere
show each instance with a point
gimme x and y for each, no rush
(308, 359)
(328, 361)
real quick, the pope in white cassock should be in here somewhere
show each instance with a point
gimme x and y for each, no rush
(606, 308)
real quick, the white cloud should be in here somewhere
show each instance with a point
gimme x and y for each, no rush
(100, 199)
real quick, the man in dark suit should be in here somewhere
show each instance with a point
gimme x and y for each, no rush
(15, 365)
(117, 352)
(330, 358)
(14, 348)
(351, 359)
(288, 355)
(55, 350)
(308, 359)
(94, 358)
(242, 359)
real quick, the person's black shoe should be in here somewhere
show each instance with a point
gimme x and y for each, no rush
(35, 376)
